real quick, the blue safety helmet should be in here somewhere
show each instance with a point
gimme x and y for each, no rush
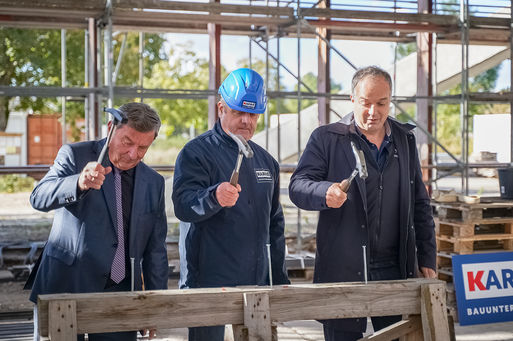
(244, 90)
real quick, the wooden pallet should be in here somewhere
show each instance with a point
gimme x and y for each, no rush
(486, 209)
(456, 229)
(476, 243)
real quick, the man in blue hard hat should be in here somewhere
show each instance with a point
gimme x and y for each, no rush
(229, 227)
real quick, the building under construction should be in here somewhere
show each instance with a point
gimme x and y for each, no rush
(455, 41)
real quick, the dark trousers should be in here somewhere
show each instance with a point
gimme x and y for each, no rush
(215, 333)
(378, 271)
(331, 334)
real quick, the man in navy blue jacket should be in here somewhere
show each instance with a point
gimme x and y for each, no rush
(389, 212)
(230, 227)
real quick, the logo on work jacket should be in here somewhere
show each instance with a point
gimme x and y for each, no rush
(248, 104)
(263, 175)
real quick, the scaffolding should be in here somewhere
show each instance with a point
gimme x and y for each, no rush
(429, 23)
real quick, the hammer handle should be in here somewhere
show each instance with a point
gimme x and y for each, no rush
(234, 179)
(344, 184)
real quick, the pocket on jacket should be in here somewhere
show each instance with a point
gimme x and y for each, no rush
(65, 256)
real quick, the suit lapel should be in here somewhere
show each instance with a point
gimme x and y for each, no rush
(109, 193)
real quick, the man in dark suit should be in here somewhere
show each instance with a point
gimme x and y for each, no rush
(105, 216)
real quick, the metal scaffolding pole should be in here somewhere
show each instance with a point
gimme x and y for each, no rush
(511, 82)
(464, 115)
(141, 63)
(120, 58)
(109, 54)
(86, 83)
(63, 84)
(278, 103)
(266, 113)
(299, 238)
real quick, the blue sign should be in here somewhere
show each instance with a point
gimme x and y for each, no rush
(484, 287)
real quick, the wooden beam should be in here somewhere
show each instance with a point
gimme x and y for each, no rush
(211, 7)
(390, 16)
(62, 320)
(398, 329)
(434, 312)
(123, 311)
(257, 316)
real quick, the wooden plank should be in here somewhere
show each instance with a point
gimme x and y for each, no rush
(490, 236)
(204, 7)
(63, 320)
(257, 316)
(123, 311)
(434, 312)
(240, 332)
(415, 335)
(396, 330)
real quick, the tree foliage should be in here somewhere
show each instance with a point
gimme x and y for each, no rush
(448, 115)
(33, 58)
(184, 71)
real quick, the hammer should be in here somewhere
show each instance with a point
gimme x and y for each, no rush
(361, 168)
(118, 117)
(244, 150)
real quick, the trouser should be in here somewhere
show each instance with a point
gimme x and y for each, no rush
(119, 336)
(215, 333)
(331, 334)
(378, 271)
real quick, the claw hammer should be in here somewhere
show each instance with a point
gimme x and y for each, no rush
(244, 150)
(361, 168)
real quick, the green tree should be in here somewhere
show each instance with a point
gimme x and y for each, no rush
(310, 80)
(184, 71)
(33, 58)
(405, 49)
(448, 115)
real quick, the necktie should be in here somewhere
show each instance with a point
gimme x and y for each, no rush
(117, 271)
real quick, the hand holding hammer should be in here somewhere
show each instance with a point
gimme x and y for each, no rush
(336, 194)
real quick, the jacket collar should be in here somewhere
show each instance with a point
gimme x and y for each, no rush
(223, 136)
(346, 125)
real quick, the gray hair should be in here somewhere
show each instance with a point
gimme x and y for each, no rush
(372, 71)
(141, 117)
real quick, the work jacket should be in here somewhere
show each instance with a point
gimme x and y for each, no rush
(341, 232)
(226, 246)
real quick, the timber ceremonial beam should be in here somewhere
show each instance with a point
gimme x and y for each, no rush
(123, 311)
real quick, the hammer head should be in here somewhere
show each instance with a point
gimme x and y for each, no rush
(361, 165)
(244, 147)
(119, 116)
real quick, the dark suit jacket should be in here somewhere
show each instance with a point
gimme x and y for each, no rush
(83, 239)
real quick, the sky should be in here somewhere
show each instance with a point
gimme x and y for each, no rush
(360, 53)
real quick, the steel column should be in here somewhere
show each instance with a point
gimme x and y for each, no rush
(323, 70)
(424, 88)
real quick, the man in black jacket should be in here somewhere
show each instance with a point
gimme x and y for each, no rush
(387, 215)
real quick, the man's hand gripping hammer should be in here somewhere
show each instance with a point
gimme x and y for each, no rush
(361, 168)
(244, 150)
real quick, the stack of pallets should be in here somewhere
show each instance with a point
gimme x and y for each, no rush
(463, 228)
